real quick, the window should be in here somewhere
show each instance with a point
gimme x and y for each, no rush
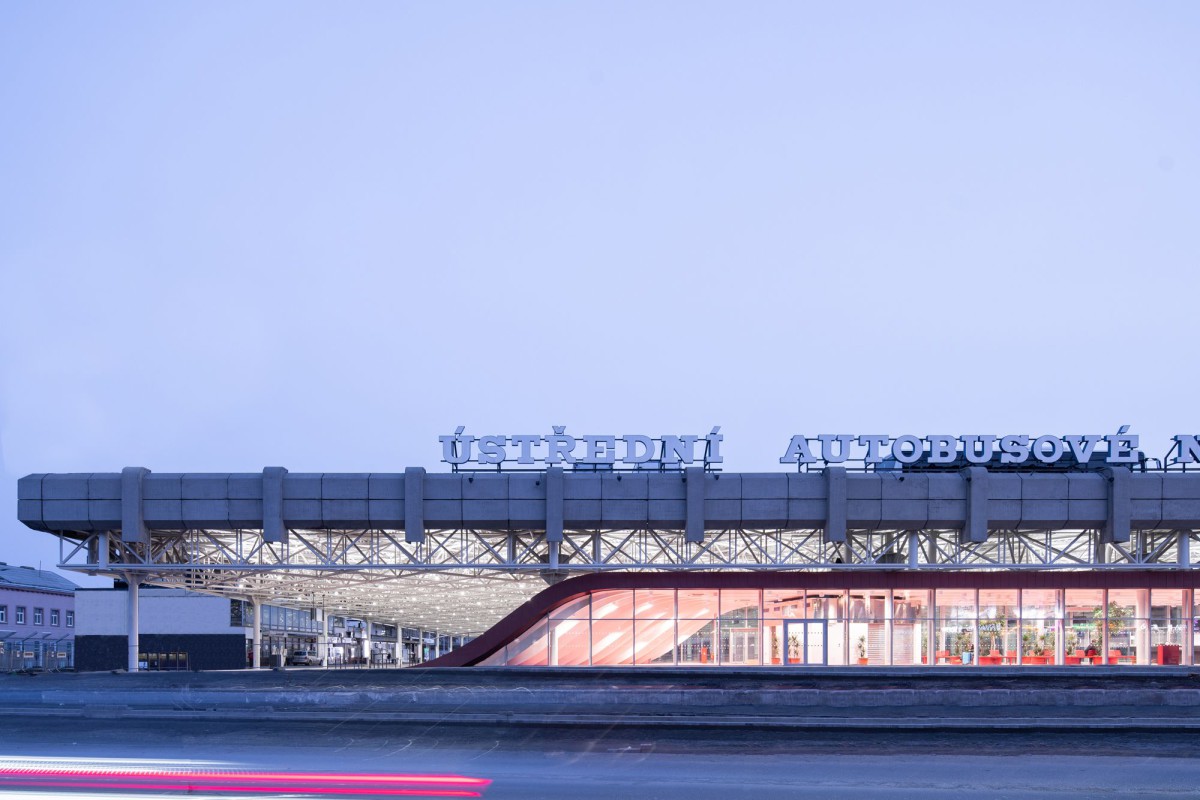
(20, 615)
(37, 616)
(3, 614)
(70, 619)
(54, 617)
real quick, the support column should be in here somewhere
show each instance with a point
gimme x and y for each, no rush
(975, 633)
(132, 627)
(1060, 629)
(1020, 628)
(256, 633)
(322, 637)
(1104, 628)
(367, 641)
(889, 606)
(931, 632)
(1188, 641)
(1142, 626)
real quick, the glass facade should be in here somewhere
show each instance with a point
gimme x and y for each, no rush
(882, 627)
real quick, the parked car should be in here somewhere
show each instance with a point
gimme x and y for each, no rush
(305, 658)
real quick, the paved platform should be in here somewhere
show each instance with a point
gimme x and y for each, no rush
(1030, 698)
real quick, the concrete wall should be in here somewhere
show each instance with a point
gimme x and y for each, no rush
(104, 612)
(204, 651)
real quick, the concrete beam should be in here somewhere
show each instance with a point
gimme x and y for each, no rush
(694, 524)
(274, 528)
(414, 504)
(835, 512)
(1120, 505)
(133, 521)
(554, 504)
(975, 526)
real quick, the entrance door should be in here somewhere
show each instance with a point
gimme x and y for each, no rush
(807, 642)
(743, 646)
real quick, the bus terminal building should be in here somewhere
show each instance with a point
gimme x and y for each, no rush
(1065, 551)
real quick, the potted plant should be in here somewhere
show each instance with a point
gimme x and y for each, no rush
(1027, 640)
(774, 646)
(1117, 623)
(862, 650)
(965, 644)
(793, 649)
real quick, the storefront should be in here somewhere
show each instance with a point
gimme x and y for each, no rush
(286, 630)
(780, 619)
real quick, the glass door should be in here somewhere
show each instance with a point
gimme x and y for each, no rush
(743, 646)
(807, 642)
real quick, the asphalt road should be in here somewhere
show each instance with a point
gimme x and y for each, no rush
(621, 763)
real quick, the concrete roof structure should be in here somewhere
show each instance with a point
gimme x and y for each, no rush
(457, 551)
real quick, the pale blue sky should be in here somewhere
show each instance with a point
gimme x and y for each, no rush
(319, 235)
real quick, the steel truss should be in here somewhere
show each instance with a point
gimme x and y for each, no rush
(466, 580)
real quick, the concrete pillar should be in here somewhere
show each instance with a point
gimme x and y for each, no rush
(367, 641)
(1104, 628)
(322, 637)
(1188, 640)
(975, 633)
(931, 629)
(889, 605)
(256, 633)
(1142, 626)
(1020, 628)
(1060, 629)
(132, 627)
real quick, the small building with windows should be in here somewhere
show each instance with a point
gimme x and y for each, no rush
(181, 630)
(37, 619)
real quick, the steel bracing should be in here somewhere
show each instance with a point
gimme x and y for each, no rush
(467, 579)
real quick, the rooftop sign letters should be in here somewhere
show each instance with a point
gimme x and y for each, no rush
(670, 451)
(630, 450)
(1121, 448)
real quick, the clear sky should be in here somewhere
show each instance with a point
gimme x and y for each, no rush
(319, 235)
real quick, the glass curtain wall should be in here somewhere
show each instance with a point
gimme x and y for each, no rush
(954, 628)
(901, 627)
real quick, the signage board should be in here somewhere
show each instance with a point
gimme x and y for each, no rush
(674, 451)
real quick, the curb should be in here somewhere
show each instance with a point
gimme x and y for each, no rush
(716, 722)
